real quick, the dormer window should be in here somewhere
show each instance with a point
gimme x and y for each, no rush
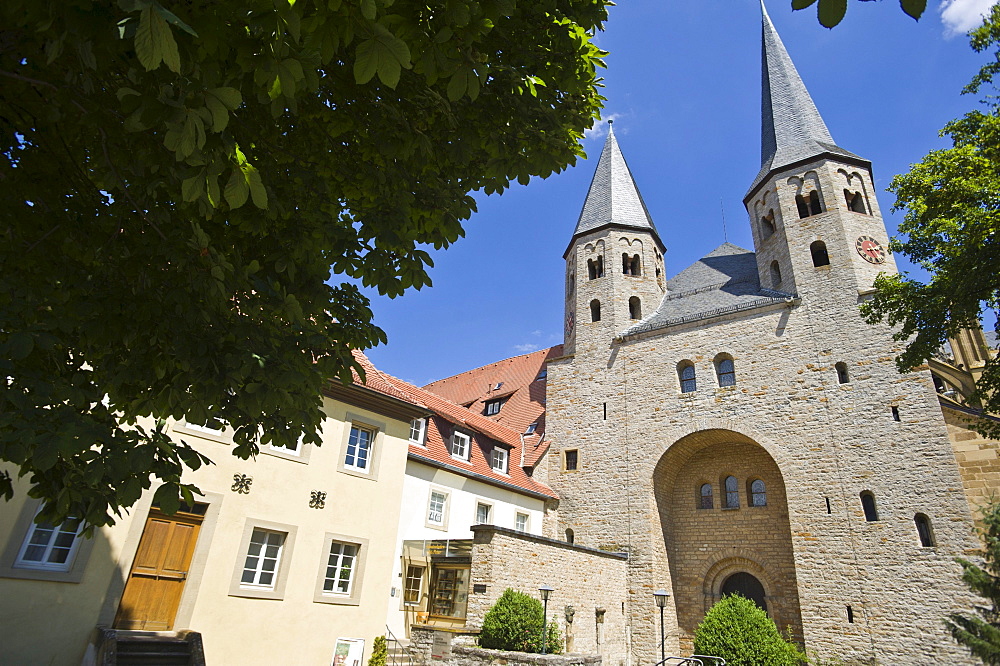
(492, 407)
(460, 445)
(418, 428)
(498, 460)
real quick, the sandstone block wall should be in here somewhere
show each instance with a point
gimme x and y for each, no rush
(978, 460)
(593, 582)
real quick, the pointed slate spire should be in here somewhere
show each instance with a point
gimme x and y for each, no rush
(791, 127)
(613, 197)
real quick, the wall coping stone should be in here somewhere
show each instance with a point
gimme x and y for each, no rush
(505, 657)
(484, 533)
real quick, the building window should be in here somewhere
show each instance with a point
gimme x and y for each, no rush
(842, 376)
(631, 265)
(820, 256)
(685, 372)
(50, 547)
(263, 559)
(530, 430)
(767, 224)
(412, 585)
(923, 524)
(418, 429)
(595, 268)
(756, 492)
(570, 537)
(359, 449)
(595, 310)
(492, 407)
(634, 308)
(460, 445)
(855, 202)
(570, 459)
(732, 492)
(725, 371)
(498, 459)
(483, 514)
(449, 591)
(868, 504)
(437, 506)
(705, 499)
(810, 205)
(340, 568)
(521, 522)
(775, 274)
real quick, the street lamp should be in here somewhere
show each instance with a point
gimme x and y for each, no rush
(545, 591)
(660, 596)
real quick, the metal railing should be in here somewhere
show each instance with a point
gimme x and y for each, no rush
(693, 660)
(394, 649)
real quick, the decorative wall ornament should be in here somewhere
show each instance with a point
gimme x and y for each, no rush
(317, 499)
(241, 483)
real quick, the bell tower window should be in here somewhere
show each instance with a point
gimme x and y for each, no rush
(775, 274)
(855, 202)
(767, 224)
(819, 254)
(634, 308)
(595, 268)
(810, 205)
(595, 310)
(631, 265)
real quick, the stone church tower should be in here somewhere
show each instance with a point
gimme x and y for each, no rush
(739, 428)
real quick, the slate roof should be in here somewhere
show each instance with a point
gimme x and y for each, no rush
(613, 197)
(791, 127)
(723, 281)
(523, 386)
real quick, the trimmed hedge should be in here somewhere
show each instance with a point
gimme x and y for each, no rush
(742, 634)
(515, 623)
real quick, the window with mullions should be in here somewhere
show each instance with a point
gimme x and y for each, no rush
(50, 547)
(492, 407)
(418, 428)
(340, 568)
(359, 449)
(725, 371)
(685, 371)
(413, 585)
(436, 506)
(705, 499)
(263, 558)
(732, 493)
(756, 493)
(498, 459)
(460, 445)
(521, 522)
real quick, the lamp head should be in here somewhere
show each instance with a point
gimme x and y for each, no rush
(660, 596)
(545, 591)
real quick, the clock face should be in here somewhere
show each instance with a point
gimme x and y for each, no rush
(870, 250)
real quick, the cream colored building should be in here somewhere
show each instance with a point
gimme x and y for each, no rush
(281, 557)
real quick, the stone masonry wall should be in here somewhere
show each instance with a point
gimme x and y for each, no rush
(593, 582)
(978, 460)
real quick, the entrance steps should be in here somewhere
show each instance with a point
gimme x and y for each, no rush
(120, 647)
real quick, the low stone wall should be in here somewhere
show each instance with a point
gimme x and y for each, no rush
(474, 656)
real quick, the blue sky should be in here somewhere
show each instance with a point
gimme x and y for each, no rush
(683, 86)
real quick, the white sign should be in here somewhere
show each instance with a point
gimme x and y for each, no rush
(349, 652)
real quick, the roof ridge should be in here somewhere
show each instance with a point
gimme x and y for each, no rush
(483, 367)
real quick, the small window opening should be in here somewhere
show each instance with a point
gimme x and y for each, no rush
(605, 411)
(685, 371)
(732, 492)
(868, 504)
(775, 274)
(819, 254)
(829, 509)
(800, 203)
(815, 207)
(757, 493)
(850, 614)
(855, 202)
(895, 413)
(767, 224)
(595, 268)
(634, 308)
(842, 375)
(706, 500)
(726, 372)
(595, 310)
(569, 536)
(571, 458)
(631, 264)
(923, 524)
(530, 430)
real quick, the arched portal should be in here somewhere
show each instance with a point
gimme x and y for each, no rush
(742, 545)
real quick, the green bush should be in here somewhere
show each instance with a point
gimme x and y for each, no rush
(742, 634)
(379, 652)
(515, 623)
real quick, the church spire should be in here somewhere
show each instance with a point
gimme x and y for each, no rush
(613, 198)
(791, 127)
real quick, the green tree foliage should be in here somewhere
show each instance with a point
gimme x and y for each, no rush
(952, 227)
(831, 12)
(186, 187)
(742, 634)
(379, 652)
(981, 632)
(515, 623)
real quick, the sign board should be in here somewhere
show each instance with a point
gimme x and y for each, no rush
(349, 652)
(441, 646)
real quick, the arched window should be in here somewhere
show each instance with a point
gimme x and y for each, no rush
(802, 205)
(819, 254)
(600, 266)
(591, 269)
(815, 206)
(569, 535)
(855, 202)
(775, 274)
(868, 504)
(767, 224)
(732, 492)
(746, 585)
(757, 493)
(595, 310)
(923, 524)
(634, 308)
(685, 372)
(810, 205)
(631, 265)
(725, 371)
(842, 375)
(705, 500)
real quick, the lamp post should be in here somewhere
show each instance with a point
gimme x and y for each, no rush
(660, 596)
(545, 591)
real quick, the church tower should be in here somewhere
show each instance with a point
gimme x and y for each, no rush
(614, 263)
(813, 212)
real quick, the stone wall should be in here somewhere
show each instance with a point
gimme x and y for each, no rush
(593, 582)
(977, 457)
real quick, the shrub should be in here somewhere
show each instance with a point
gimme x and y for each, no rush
(515, 623)
(379, 652)
(742, 634)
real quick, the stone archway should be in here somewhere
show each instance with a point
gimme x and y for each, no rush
(742, 533)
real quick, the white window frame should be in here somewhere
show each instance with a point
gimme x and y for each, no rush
(44, 564)
(420, 584)
(299, 454)
(337, 562)
(443, 525)
(499, 459)
(377, 430)
(276, 589)
(489, 513)
(370, 452)
(466, 450)
(353, 595)
(522, 525)
(258, 569)
(21, 533)
(493, 407)
(418, 427)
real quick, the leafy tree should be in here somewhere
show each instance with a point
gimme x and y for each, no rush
(831, 12)
(742, 634)
(515, 623)
(380, 651)
(952, 227)
(981, 633)
(186, 187)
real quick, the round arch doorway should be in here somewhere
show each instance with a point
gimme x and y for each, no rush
(745, 585)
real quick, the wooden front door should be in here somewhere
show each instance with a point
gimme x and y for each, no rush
(154, 586)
